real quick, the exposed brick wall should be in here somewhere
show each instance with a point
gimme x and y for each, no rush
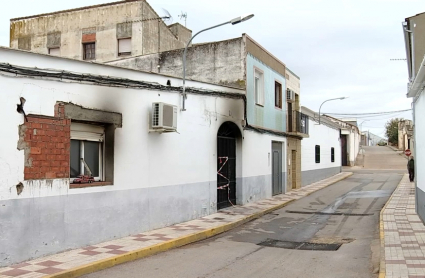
(88, 38)
(47, 146)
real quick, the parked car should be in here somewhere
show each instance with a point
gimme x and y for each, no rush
(382, 143)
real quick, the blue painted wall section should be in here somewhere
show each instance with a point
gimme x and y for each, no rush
(268, 116)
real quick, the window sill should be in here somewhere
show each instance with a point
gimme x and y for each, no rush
(93, 184)
(261, 105)
(124, 54)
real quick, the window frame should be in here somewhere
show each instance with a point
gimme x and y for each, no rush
(121, 54)
(317, 153)
(332, 154)
(85, 51)
(259, 95)
(88, 136)
(50, 49)
(280, 104)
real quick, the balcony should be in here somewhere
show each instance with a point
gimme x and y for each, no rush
(297, 124)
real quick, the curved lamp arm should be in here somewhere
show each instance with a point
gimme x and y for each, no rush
(233, 22)
(340, 98)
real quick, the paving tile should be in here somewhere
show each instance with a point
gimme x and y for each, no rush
(49, 263)
(15, 272)
(50, 270)
(90, 253)
(113, 247)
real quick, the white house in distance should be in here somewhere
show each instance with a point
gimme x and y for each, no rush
(321, 152)
(350, 139)
(414, 37)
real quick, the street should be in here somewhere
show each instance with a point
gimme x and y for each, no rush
(331, 233)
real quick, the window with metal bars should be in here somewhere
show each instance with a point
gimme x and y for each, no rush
(317, 153)
(89, 51)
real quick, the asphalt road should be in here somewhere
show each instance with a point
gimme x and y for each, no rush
(345, 213)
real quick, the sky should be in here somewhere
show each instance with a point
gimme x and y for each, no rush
(339, 48)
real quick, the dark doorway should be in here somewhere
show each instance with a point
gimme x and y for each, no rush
(226, 165)
(294, 169)
(276, 168)
(344, 154)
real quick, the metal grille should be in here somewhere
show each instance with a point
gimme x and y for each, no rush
(89, 51)
(226, 147)
(155, 115)
(317, 153)
(301, 122)
(167, 119)
(288, 94)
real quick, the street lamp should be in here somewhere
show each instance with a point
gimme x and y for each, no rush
(367, 143)
(340, 98)
(362, 123)
(233, 22)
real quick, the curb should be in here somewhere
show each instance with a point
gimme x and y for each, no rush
(175, 243)
(382, 269)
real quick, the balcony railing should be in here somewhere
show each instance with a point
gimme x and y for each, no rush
(298, 122)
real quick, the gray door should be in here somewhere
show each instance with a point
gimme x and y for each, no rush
(276, 168)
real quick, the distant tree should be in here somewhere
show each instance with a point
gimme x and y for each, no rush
(391, 130)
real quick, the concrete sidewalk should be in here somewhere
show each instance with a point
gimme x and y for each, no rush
(402, 235)
(89, 259)
(399, 152)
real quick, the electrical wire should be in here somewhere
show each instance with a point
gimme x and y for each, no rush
(18, 71)
(372, 113)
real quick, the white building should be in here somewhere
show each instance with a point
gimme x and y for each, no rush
(321, 152)
(414, 37)
(350, 139)
(144, 180)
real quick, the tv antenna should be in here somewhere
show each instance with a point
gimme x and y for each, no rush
(183, 16)
(399, 59)
(166, 18)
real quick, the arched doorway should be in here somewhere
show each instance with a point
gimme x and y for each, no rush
(226, 164)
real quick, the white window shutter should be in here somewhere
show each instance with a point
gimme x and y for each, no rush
(124, 46)
(87, 132)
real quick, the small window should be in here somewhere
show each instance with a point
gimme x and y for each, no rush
(332, 154)
(278, 94)
(55, 51)
(124, 47)
(317, 153)
(89, 51)
(259, 87)
(86, 151)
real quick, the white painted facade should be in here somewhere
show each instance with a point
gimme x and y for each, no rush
(354, 143)
(414, 37)
(327, 136)
(349, 128)
(159, 179)
(419, 147)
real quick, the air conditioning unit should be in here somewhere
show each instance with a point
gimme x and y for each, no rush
(290, 95)
(164, 117)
